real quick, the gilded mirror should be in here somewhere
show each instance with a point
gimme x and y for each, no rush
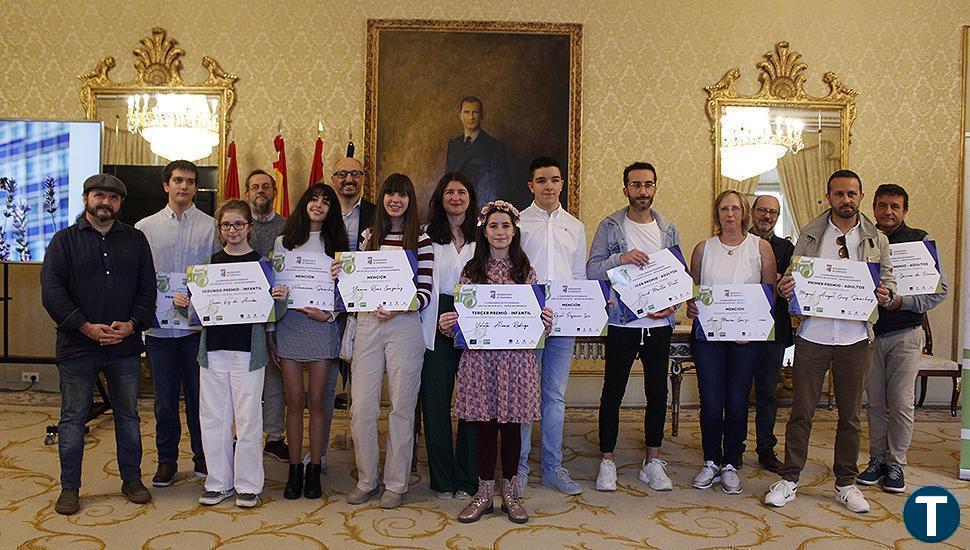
(156, 118)
(780, 140)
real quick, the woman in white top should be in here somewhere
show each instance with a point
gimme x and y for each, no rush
(452, 231)
(725, 369)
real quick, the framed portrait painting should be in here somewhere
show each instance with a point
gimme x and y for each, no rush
(477, 97)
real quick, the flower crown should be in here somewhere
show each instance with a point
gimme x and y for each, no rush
(499, 206)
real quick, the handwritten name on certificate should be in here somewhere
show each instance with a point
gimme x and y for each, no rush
(499, 317)
(837, 289)
(166, 314)
(578, 307)
(307, 276)
(379, 278)
(231, 293)
(662, 283)
(735, 312)
(916, 266)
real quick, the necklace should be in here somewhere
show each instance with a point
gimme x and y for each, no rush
(729, 250)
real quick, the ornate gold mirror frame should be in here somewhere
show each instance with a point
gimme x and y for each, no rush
(158, 66)
(782, 78)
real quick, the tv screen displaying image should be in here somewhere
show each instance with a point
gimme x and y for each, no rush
(43, 165)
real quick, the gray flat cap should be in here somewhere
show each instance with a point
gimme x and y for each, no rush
(105, 182)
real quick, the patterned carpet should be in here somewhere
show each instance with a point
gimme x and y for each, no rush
(633, 517)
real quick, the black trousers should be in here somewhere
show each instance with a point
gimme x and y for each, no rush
(623, 345)
(766, 372)
(487, 434)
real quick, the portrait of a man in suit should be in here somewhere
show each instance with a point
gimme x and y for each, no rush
(477, 154)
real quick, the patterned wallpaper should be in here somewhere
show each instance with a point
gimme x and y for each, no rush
(645, 66)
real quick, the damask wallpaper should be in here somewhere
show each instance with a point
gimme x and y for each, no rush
(645, 66)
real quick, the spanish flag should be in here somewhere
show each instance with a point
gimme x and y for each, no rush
(282, 203)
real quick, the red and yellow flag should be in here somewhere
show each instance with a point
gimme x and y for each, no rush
(232, 174)
(282, 203)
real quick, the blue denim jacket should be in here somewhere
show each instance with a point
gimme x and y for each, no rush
(610, 242)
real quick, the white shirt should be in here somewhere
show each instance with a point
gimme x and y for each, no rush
(732, 265)
(646, 238)
(176, 243)
(835, 332)
(555, 243)
(448, 263)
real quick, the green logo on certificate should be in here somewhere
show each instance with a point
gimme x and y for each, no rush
(467, 296)
(162, 283)
(198, 275)
(805, 267)
(706, 295)
(347, 264)
(279, 263)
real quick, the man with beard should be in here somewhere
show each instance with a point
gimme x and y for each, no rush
(765, 213)
(98, 285)
(822, 343)
(180, 235)
(896, 355)
(261, 193)
(348, 180)
(629, 236)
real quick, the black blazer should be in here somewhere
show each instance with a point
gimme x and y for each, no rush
(366, 218)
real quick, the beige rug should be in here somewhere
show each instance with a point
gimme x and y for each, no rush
(633, 517)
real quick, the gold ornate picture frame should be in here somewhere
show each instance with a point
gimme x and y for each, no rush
(527, 77)
(158, 69)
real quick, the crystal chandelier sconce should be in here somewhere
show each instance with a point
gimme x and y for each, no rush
(751, 145)
(177, 126)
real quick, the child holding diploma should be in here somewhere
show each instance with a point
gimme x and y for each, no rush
(498, 390)
(232, 358)
(308, 337)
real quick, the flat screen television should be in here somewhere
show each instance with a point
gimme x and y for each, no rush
(43, 165)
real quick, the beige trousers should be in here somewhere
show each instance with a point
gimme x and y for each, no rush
(395, 346)
(892, 384)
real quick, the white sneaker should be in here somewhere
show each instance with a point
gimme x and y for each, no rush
(709, 475)
(731, 481)
(606, 480)
(852, 498)
(654, 474)
(781, 493)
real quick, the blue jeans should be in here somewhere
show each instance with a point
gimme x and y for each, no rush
(78, 377)
(554, 361)
(724, 373)
(174, 368)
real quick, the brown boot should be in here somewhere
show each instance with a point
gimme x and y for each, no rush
(510, 501)
(481, 503)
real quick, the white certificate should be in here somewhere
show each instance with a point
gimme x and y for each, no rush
(578, 307)
(499, 317)
(662, 283)
(916, 266)
(734, 312)
(837, 289)
(166, 314)
(380, 278)
(232, 293)
(307, 276)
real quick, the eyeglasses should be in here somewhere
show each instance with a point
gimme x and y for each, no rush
(344, 174)
(767, 211)
(238, 226)
(638, 185)
(843, 250)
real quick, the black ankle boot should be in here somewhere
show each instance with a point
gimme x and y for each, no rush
(294, 482)
(312, 488)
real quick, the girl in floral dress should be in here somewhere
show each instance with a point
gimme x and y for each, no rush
(498, 390)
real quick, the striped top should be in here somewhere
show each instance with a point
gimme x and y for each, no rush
(425, 254)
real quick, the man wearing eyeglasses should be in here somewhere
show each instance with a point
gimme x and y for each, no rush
(261, 194)
(629, 236)
(180, 235)
(896, 355)
(766, 210)
(347, 180)
(845, 346)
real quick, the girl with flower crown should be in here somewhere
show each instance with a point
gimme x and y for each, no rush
(498, 390)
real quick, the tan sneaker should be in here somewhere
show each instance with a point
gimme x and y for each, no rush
(390, 500)
(359, 496)
(481, 503)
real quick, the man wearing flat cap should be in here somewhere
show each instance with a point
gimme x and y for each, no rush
(98, 285)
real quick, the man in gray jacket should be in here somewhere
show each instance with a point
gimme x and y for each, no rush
(844, 345)
(629, 236)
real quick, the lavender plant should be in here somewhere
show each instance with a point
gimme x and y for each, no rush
(7, 185)
(50, 200)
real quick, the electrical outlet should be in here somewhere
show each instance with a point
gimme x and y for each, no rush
(30, 377)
